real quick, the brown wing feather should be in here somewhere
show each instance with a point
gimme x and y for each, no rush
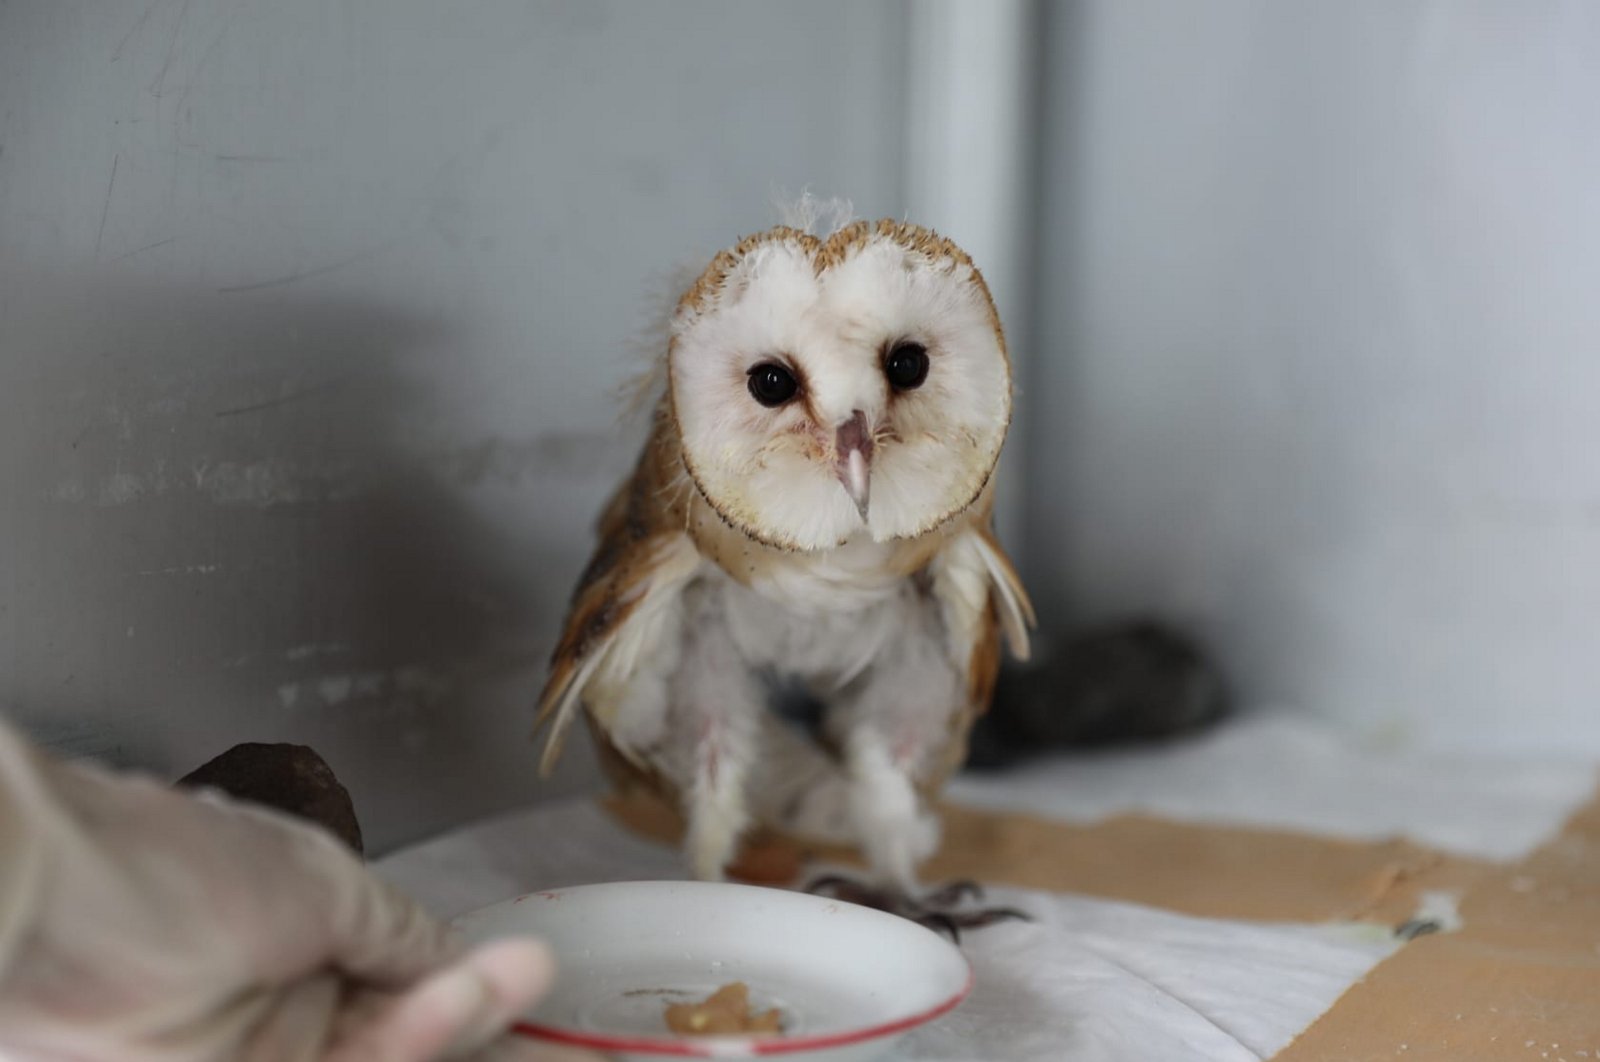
(983, 665)
(984, 599)
(640, 529)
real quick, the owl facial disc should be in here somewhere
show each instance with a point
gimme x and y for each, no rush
(829, 389)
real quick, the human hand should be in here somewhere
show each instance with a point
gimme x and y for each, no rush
(147, 925)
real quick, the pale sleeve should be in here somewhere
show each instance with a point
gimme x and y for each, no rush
(30, 817)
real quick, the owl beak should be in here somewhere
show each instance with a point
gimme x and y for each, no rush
(852, 459)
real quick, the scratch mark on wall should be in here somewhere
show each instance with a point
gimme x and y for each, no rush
(336, 688)
(116, 53)
(310, 650)
(160, 83)
(199, 64)
(183, 569)
(292, 396)
(400, 687)
(122, 417)
(510, 461)
(260, 484)
(267, 483)
(139, 250)
(105, 208)
(406, 684)
(370, 684)
(251, 158)
(304, 274)
(119, 488)
(420, 682)
(310, 480)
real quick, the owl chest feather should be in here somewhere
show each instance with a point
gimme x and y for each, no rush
(853, 577)
(821, 618)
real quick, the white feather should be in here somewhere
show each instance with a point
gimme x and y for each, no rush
(566, 711)
(1016, 611)
(614, 661)
(816, 215)
(966, 573)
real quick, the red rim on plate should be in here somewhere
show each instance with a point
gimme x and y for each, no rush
(688, 1048)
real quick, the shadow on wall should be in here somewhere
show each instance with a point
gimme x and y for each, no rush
(237, 516)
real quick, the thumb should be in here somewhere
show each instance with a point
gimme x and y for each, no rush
(456, 1010)
(388, 938)
(374, 933)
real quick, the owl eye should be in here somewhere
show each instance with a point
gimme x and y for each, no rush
(906, 366)
(771, 384)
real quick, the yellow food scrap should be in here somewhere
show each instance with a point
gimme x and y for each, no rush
(726, 1012)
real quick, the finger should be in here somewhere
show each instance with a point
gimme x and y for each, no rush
(387, 938)
(296, 1021)
(376, 933)
(512, 1048)
(456, 1010)
(345, 914)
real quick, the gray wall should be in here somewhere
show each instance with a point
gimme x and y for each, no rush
(310, 319)
(1319, 360)
(310, 316)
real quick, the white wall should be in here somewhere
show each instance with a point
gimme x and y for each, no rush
(309, 319)
(309, 314)
(1320, 351)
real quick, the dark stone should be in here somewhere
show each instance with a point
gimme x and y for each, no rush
(288, 778)
(1124, 684)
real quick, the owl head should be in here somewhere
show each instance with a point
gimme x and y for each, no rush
(829, 388)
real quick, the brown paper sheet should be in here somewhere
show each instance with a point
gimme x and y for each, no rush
(1519, 980)
(1210, 871)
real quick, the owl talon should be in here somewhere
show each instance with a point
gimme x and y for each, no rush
(954, 893)
(937, 910)
(988, 916)
(840, 887)
(942, 923)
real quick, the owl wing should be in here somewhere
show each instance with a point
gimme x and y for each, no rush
(626, 598)
(622, 608)
(980, 598)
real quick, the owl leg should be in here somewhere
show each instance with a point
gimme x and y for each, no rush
(894, 724)
(894, 833)
(719, 718)
(716, 810)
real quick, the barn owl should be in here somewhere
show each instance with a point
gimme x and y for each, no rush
(795, 609)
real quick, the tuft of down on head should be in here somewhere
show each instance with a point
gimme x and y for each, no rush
(814, 215)
(831, 315)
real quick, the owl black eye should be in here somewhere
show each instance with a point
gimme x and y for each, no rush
(771, 384)
(906, 366)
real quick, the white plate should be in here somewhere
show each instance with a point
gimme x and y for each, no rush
(849, 980)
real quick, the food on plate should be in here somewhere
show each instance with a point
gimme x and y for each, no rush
(726, 1012)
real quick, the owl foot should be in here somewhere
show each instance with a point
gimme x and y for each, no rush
(940, 910)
